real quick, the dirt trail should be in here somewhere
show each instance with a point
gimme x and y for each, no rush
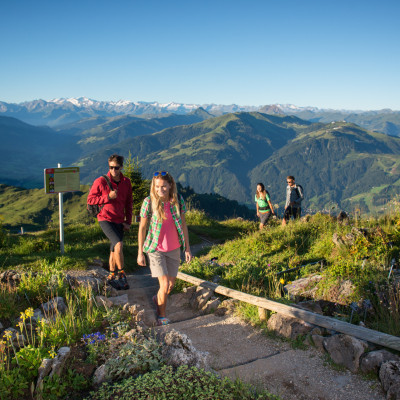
(238, 350)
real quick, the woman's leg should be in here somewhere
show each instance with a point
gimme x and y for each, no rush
(166, 285)
(162, 294)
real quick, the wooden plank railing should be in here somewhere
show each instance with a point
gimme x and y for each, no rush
(383, 339)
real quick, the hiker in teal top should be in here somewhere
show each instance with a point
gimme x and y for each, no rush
(264, 206)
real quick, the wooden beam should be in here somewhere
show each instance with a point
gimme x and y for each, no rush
(383, 339)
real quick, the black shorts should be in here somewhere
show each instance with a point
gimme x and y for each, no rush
(264, 217)
(114, 232)
(292, 212)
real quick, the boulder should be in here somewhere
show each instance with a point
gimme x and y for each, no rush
(312, 306)
(104, 301)
(318, 342)
(389, 375)
(16, 338)
(211, 306)
(372, 361)
(179, 350)
(60, 360)
(100, 375)
(44, 370)
(119, 300)
(53, 306)
(288, 327)
(200, 297)
(345, 350)
(303, 286)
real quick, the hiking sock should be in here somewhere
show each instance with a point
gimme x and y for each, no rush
(112, 275)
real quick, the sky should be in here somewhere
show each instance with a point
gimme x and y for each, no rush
(341, 54)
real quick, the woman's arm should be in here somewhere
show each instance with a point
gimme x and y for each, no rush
(188, 253)
(141, 260)
(270, 206)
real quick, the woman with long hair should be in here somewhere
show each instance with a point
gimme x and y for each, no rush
(264, 206)
(167, 233)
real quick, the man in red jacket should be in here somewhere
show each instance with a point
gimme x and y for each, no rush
(115, 216)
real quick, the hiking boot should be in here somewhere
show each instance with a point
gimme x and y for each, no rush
(113, 281)
(123, 282)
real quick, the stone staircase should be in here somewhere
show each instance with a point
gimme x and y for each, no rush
(238, 350)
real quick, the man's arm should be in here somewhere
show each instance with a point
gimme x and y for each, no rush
(98, 193)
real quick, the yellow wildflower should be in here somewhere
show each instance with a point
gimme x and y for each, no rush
(282, 281)
(29, 312)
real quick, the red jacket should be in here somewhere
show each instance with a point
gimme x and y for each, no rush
(118, 210)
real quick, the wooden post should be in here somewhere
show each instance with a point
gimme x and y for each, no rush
(383, 339)
(262, 314)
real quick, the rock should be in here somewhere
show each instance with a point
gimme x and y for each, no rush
(119, 300)
(10, 276)
(189, 291)
(17, 339)
(44, 370)
(318, 342)
(200, 297)
(345, 350)
(60, 360)
(303, 286)
(179, 350)
(372, 361)
(349, 239)
(229, 305)
(88, 281)
(100, 375)
(345, 292)
(54, 305)
(220, 311)
(336, 239)
(311, 306)
(1, 326)
(109, 291)
(104, 301)
(389, 375)
(288, 327)
(211, 306)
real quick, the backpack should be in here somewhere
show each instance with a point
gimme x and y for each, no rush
(94, 209)
(297, 190)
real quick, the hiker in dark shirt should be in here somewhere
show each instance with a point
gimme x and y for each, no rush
(294, 197)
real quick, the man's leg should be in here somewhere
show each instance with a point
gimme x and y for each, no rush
(118, 256)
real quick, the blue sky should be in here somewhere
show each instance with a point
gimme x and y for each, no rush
(329, 54)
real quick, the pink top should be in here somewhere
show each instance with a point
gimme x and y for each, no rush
(168, 239)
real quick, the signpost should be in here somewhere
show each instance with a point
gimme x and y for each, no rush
(60, 180)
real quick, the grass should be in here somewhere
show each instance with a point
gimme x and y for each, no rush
(252, 263)
(82, 243)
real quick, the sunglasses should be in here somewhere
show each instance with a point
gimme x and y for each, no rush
(160, 173)
(116, 168)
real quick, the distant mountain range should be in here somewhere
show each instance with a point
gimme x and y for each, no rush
(57, 112)
(339, 164)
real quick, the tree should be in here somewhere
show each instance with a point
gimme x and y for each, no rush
(140, 186)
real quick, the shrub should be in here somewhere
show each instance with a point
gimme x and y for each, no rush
(183, 383)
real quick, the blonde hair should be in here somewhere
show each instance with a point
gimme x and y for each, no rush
(156, 202)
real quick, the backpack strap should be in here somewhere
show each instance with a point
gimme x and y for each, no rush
(108, 182)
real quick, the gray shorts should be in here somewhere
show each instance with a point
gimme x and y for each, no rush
(264, 217)
(164, 262)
